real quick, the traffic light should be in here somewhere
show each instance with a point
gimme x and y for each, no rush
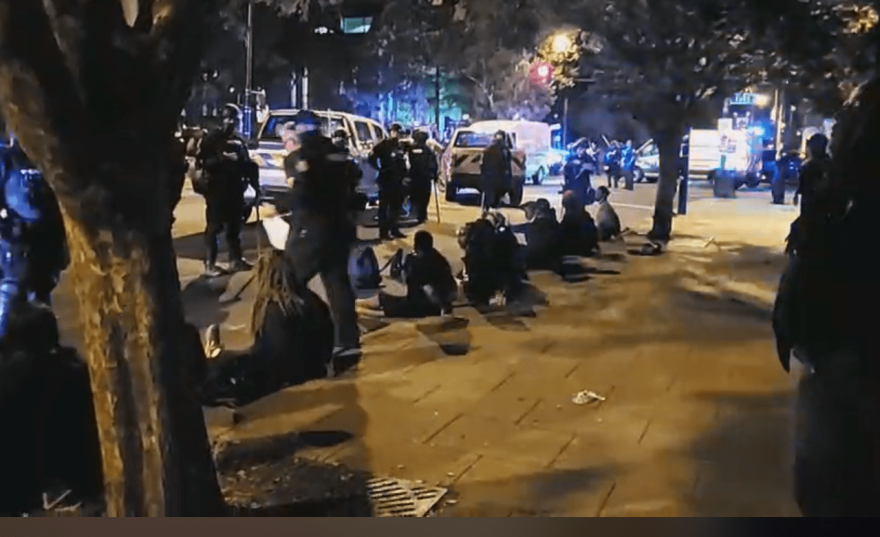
(542, 73)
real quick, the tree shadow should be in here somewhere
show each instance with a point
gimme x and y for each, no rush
(450, 334)
(746, 460)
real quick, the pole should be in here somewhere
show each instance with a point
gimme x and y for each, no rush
(247, 127)
(565, 122)
(780, 106)
(437, 99)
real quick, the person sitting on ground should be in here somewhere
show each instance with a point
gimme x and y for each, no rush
(579, 234)
(543, 236)
(606, 217)
(293, 339)
(492, 260)
(430, 286)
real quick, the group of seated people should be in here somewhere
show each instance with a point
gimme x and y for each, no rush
(292, 327)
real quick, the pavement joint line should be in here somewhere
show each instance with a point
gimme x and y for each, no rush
(604, 503)
(443, 428)
(644, 432)
(520, 419)
(561, 451)
(427, 394)
(503, 381)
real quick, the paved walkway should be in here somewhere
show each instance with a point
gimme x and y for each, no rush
(695, 419)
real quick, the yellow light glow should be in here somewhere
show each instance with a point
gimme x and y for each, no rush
(762, 100)
(561, 43)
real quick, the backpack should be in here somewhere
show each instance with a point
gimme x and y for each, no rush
(363, 269)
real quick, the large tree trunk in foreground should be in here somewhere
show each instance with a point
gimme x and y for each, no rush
(669, 147)
(94, 103)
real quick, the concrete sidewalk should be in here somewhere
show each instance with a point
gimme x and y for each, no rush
(695, 416)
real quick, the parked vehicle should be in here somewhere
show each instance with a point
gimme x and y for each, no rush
(534, 139)
(460, 165)
(268, 150)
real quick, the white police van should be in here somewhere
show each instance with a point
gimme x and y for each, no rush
(268, 149)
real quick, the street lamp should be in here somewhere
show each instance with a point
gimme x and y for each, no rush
(561, 43)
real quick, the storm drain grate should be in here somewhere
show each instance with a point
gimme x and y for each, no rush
(392, 497)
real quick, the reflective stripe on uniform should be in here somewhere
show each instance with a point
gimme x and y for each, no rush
(268, 160)
(520, 165)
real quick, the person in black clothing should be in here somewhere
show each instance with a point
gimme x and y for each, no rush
(177, 169)
(33, 244)
(228, 170)
(423, 173)
(322, 230)
(293, 339)
(577, 173)
(813, 173)
(388, 157)
(496, 173)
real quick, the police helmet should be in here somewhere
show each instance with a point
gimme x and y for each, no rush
(818, 143)
(395, 127)
(420, 136)
(21, 194)
(230, 111)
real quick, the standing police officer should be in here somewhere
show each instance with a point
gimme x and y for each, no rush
(495, 170)
(228, 169)
(388, 158)
(577, 171)
(322, 231)
(423, 173)
(33, 245)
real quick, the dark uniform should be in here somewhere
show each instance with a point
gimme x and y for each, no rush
(813, 173)
(33, 246)
(496, 173)
(577, 175)
(228, 169)
(388, 157)
(177, 169)
(322, 231)
(423, 172)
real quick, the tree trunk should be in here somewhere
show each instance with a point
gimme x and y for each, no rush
(669, 147)
(155, 447)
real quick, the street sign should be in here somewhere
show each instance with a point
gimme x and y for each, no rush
(742, 99)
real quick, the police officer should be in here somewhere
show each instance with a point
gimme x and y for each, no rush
(813, 174)
(423, 172)
(577, 171)
(33, 246)
(322, 231)
(628, 165)
(389, 158)
(228, 169)
(495, 170)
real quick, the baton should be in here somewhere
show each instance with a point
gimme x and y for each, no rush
(436, 200)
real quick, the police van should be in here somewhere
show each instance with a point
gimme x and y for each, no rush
(460, 164)
(268, 150)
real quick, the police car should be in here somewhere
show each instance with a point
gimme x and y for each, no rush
(460, 164)
(268, 151)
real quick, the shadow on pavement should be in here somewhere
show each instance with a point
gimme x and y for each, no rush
(746, 458)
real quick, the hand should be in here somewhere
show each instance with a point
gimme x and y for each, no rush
(290, 182)
(231, 156)
(795, 200)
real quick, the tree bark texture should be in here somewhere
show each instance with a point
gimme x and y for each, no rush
(669, 148)
(94, 103)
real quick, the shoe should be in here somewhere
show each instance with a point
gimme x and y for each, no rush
(240, 266)
(212, 270)
(397, 234)
(213, 344)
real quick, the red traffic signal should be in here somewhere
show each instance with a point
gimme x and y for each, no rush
(542, 73)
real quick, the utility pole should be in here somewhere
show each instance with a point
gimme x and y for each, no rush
(565, 122)
(437, 99)
(248, 112)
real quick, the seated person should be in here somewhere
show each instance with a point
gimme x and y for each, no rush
(430, 286)
(579, 233)
(542, 249)
(492, 259)
(293, 339)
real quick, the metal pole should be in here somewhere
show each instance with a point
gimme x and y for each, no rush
(437, 99)
(247, 127)
(565, 122)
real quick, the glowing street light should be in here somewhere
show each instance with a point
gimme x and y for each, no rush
(544, 71)
(561, 43)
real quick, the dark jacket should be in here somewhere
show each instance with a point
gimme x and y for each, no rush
(388, 157)
(322, 178)
(495, 168)
(430, 269)
(423, 164)
(227, 178)
(811, 178)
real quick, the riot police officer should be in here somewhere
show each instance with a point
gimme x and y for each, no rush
(423, 173)
(33, 246)
(322, 231)
(388, 158)
(495, 170)
(227, 170)
(577, 173)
